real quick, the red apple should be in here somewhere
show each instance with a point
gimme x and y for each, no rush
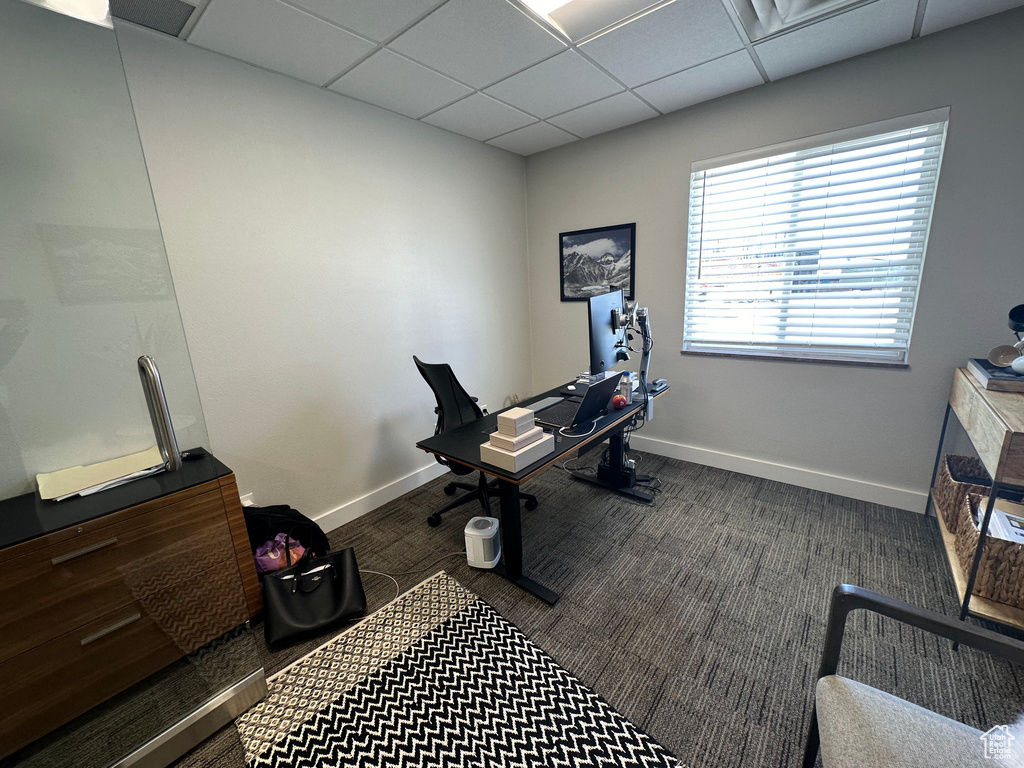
(619, 402)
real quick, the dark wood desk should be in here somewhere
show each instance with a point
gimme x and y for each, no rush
(462, 445)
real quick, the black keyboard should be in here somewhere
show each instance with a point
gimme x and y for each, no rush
(560, 415)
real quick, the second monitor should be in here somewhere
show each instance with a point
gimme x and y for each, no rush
(605, 336)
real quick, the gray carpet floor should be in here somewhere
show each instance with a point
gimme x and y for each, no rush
(699, 617)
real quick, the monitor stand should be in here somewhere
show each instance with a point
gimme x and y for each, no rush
(593, 378)
(614, 474)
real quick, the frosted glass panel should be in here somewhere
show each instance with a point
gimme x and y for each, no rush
(85, 287)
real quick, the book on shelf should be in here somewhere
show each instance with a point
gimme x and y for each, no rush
(1007, 521)
(994, 378)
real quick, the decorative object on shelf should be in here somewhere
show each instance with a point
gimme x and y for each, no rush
(595, 261)
(1001, 568)
(958, 476)
(1011, 356)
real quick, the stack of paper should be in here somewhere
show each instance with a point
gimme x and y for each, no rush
(82, 481)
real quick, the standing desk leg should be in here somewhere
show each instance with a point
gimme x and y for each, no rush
(511, 565)
(615, 476)
(938, 458)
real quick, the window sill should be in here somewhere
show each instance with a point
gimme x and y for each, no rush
(783, 359)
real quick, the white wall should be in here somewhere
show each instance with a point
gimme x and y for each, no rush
(316, 244)
(863, 432)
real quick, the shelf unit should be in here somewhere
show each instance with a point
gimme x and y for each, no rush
(994, 423)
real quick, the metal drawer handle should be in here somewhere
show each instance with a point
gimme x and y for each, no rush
(112, 628)
(84, 551)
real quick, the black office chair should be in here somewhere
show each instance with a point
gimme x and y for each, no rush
(454, 408)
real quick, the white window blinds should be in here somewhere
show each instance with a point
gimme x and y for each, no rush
(816, 251)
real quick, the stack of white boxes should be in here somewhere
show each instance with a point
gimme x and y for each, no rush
(518, 443)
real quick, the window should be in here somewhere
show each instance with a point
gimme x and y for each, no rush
(813, 249)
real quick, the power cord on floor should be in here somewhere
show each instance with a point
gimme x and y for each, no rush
(392, 576)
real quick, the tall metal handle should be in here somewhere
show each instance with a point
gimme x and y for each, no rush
(159, 414)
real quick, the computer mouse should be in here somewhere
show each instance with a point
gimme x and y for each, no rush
(571, 388)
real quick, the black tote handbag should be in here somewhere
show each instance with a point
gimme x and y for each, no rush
(311, 596)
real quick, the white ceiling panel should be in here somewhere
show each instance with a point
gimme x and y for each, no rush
(533, 138)
(378, 20)
(557, 85)
(665, 41)
(867, 28)
(393, 82)
(735, 72)
(276, 36)
(479, 117)
(607, 115)
(943, 14)
(477, 41)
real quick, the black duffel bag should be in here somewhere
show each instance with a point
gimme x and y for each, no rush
(264, 523)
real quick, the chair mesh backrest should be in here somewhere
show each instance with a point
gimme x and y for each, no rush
(454, 403)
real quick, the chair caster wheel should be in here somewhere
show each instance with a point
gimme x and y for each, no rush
(433, 521)
(449, 490)
(531, 504)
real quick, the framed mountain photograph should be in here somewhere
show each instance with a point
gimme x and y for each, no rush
(595, 261)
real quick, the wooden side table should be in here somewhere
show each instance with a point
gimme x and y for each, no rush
(994, 423)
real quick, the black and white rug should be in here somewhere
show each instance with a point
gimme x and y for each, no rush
(437, 678)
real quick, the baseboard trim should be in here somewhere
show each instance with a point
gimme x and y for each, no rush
(349, 511)
(900, 498)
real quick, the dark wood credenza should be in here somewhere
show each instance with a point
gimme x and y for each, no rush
(97, 593)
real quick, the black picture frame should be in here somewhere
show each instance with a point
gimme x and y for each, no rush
(598, 260)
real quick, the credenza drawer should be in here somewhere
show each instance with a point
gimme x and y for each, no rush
(52, 683)
(75, 582)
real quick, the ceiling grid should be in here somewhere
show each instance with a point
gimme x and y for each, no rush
(498, 72)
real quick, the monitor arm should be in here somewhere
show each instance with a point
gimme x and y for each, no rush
(644, 322)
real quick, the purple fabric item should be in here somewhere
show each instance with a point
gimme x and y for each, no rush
(271, 555)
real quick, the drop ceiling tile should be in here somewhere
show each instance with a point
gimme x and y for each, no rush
(396, 83)
(943, 14)
(279, 37)
(477, 42)
(533, 138)
(863, 29)
(479, 117)
(376, 19)
(672, 38)
(615, 112)
(729, 74)
(557, 85)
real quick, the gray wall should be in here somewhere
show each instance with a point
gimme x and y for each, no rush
(864, 432)
(316, 244)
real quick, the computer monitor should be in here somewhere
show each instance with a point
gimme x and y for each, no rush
(603, 334)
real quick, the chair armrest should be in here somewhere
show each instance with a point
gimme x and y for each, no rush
(847, 598)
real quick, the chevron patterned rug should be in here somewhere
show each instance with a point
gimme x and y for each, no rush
(437, 678)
